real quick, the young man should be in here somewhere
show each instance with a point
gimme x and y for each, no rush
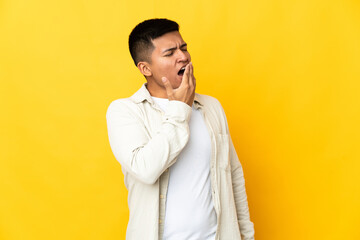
(181, 170)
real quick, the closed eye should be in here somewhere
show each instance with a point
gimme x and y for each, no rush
(183, 47)
(171, 53)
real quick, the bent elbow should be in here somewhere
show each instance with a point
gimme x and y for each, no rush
(149, 180)
(147, 177)
(144, 170)
(145, 174)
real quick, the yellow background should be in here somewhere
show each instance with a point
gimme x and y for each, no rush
(286, 72)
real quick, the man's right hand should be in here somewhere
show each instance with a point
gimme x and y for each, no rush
(186, 91)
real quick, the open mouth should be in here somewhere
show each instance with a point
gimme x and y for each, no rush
(181, 71)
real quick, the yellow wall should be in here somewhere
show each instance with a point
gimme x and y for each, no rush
(286, 72)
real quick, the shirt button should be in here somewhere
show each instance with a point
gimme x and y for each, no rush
(167, 170)
(162, 196)
(160, 221)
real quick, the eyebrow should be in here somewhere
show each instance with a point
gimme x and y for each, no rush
(174, 48)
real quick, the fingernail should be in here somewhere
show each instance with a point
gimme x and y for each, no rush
(163, 79)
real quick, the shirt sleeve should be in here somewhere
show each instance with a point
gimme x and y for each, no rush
(245, 224)
(238, 184)
(143, 156)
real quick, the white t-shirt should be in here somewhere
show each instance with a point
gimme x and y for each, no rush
(190, 212)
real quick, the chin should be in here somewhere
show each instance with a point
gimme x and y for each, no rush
(176, 84)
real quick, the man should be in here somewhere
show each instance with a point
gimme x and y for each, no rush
(181, 170)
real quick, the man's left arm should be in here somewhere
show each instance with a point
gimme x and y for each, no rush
(238, 184)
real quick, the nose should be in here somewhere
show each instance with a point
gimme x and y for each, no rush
(183, 56)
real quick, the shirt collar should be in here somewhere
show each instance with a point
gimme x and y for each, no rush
(143, 94)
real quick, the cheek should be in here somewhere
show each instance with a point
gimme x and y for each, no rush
(162, 69)
(165, 67)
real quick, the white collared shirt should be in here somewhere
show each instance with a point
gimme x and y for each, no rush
(147, 141)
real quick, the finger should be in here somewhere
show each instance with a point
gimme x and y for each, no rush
(185, 79)
(188, 72)
(192, 76)
(191, 81)
(168, 87)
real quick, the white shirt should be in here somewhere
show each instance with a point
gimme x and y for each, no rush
(147, 141)
(190, 212)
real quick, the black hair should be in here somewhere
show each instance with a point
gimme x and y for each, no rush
(140, 39)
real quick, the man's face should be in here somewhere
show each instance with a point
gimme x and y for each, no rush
(169, 56)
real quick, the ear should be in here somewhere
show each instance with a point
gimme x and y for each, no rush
(144, 69)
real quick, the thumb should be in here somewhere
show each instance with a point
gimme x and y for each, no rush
(168, 87)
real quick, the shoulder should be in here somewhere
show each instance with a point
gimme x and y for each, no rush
(124, 108)
(214, 112)
(209, 102)
(131, 103)
(120, 104)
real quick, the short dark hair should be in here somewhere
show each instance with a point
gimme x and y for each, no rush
(140, 39)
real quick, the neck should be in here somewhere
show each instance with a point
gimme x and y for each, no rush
(156, 90)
